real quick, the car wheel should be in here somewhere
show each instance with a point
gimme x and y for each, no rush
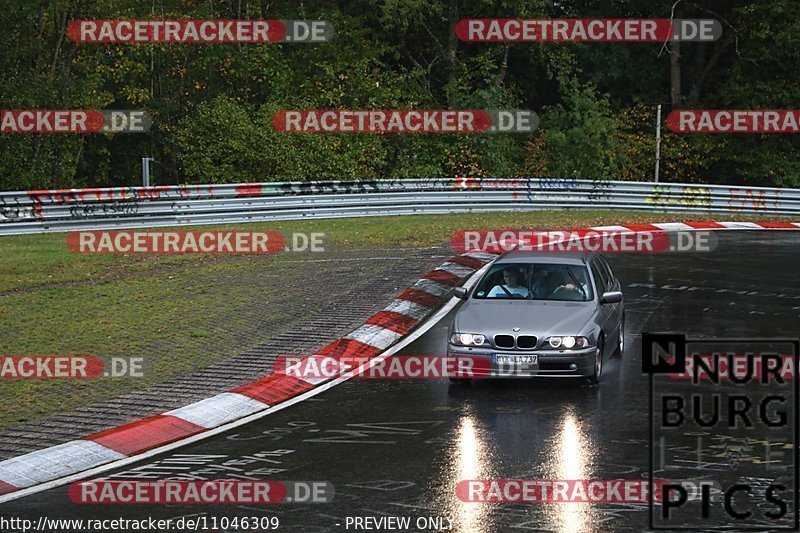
(598, 362)
(621, 341)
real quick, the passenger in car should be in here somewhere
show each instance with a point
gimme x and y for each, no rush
(513, 287)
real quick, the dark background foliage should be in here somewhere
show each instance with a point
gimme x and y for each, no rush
(213, 104)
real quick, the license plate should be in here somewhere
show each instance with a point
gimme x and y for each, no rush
(516, 359)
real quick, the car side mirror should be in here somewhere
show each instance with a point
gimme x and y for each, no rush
(611, 297)
(460, 292)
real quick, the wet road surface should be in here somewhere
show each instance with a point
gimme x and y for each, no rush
(399, 448)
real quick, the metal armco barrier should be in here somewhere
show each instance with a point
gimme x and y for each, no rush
(180, 205)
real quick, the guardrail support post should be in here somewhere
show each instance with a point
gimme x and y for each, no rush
(146, 171)
(658, 139)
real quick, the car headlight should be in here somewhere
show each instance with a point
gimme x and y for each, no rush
(567, 342)
(468, 339)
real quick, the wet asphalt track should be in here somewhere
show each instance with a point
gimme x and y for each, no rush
(399, 447)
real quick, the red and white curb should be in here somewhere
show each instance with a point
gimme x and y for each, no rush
(381, 336)
(694, 226)
(132, 442)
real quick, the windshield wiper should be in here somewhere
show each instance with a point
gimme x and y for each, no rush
(577, 283)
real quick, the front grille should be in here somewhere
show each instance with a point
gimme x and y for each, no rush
(504, 341)
(526, 342)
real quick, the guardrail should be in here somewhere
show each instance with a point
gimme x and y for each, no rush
(180, 205)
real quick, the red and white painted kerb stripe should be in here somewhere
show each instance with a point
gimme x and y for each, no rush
(382, 330)
(689, 226)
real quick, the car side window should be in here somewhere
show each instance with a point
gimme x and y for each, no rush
(600, 277)
(607, 267)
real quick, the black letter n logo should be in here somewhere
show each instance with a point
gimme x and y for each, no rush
(663, 353)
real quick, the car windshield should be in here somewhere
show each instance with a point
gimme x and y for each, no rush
(526, 281)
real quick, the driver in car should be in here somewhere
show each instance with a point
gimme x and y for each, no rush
(569, 288)
(512, 288)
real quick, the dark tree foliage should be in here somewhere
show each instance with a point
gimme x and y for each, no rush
(213, 104)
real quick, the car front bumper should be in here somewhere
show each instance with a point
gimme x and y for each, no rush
(551, 363)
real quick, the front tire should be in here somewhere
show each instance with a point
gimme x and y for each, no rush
(621, 340)
(594, 379)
